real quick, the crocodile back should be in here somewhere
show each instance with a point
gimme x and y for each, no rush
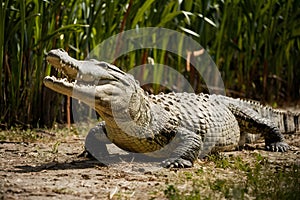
(204, 115)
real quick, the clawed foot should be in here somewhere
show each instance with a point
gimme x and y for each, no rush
(278, 147)
(176, 163)
(85, 154)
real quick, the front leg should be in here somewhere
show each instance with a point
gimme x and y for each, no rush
(96, 140)
(188, 145)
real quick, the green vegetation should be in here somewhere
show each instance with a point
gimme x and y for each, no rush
(254, 43)
(17, 135)
(260, 180)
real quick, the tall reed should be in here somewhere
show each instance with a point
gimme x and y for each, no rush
(254, 43)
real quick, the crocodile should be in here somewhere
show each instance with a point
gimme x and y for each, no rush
(178, 127)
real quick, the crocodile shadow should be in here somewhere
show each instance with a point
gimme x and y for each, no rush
(84, 163)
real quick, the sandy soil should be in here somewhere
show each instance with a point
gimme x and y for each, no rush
(49, 168)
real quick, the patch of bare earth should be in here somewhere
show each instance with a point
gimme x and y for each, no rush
(49, 168)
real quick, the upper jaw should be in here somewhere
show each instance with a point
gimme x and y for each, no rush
(89, 72)
(61, 61)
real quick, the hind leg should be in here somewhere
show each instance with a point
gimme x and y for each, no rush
(250, 121)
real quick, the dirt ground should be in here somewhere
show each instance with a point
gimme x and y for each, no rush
(48, 167)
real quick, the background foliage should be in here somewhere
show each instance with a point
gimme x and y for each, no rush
(254, 43)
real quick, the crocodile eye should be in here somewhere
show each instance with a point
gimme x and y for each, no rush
(62, 50)
(103, 64)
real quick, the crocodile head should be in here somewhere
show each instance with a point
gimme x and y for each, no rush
(98, 84)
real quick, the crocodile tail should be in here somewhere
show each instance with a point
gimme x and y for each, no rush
(286, 121)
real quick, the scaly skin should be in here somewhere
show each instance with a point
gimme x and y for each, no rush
(177, 126)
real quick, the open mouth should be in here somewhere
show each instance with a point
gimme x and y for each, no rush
(67, 69)
(72, 73)
(69, 76)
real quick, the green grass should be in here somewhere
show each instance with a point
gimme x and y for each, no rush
(19, 135)
(259, 179)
